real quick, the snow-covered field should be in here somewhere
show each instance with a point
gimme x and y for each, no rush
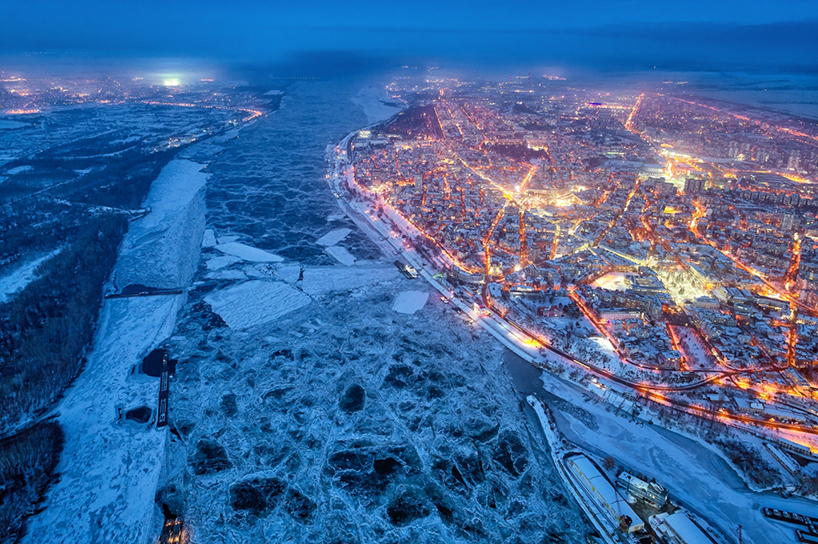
(109, 470)
(409, 302)
(17, 279)
(371, 99)
(248, 253)
(19, 169)
(256, 302)
(5, 124)
(615, 281)
(696, 476)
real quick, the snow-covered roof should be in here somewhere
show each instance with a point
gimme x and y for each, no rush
(684, 528)
(598, 483)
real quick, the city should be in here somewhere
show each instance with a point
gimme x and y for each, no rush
(409, 273)
(663, 247)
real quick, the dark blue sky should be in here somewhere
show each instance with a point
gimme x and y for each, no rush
(758, 35)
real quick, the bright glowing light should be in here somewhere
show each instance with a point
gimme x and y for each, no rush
(172, 82)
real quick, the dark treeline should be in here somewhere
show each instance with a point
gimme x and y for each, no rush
(40, 227)
(45, 328)
(124, 183)
(27, 466)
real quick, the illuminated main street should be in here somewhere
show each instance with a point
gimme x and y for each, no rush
(657, 249)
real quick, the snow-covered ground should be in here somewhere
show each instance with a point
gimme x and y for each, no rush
(615, 281)
(256, 302)
(5, 124)
(248, 253)
(694, 349)
(109, 469)
(409, 302)
(18, 169)
(697, 477)
(17, 279)
(333, 237)
(371, 99)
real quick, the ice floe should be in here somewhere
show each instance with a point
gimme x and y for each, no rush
(341, 255)
(325, 279)
(208, 238)
(256, 302)
(289, 273)
(333, 237)
(409, 302)
(248, 253)
(220, 262)
(227, 275)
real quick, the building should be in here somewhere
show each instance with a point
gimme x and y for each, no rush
(796, 448)
(694, 186)
(549, 311)
(789, 221)
(612, 314)
(635, 488)
(678, 529)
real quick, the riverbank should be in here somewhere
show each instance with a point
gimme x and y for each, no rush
(110, 467)
(698, 478)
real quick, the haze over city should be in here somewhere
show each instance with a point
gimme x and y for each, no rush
(423, 272)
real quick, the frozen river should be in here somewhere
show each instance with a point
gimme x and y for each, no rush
(324, 397)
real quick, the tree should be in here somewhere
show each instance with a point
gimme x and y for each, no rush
(609, 463)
